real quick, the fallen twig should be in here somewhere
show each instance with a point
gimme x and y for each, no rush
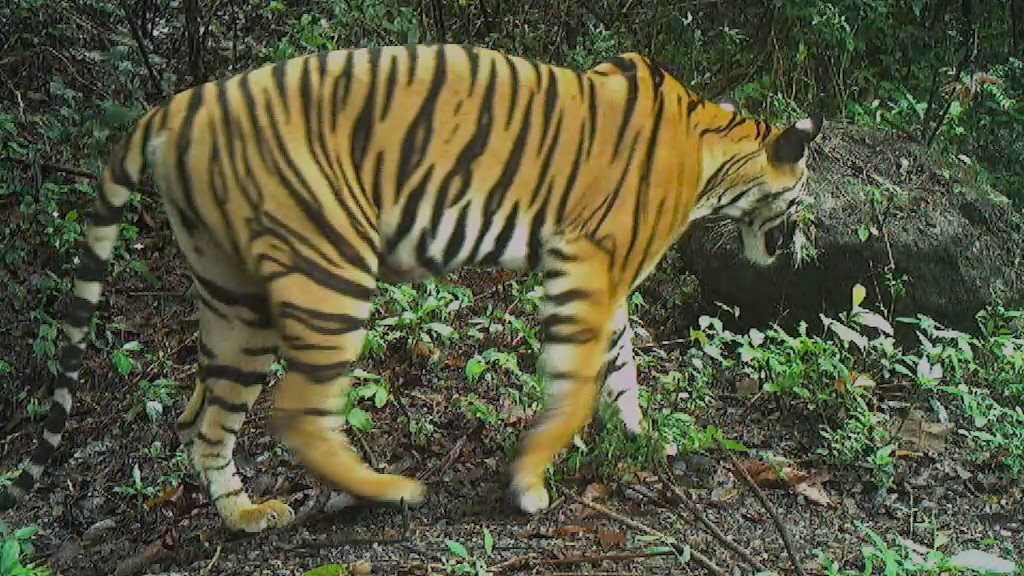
(704, 561)
(783, 531)
(216, 556)
(62, 168)
(663, 343)
(709, 527)
(530, 560)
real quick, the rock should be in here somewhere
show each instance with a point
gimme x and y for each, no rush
(97, 530)
(959, 245)
(981, 561)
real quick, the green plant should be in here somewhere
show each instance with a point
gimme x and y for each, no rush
(140, 490)
(15, 546)
(466, 563)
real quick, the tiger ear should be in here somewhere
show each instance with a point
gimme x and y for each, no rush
(727, 103)
(791, 146)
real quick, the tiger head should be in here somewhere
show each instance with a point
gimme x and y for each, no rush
(754, 175)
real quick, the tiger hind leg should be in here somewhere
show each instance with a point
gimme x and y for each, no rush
(236, 346)
(322, 336)
(576, 317)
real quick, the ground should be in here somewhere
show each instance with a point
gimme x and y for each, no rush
(456, 432)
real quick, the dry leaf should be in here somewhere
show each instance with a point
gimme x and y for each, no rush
(919, 434)
(610, 538)
(595, 491)
(771, 475)
(570, 530)
(170, 495)
(360, 568)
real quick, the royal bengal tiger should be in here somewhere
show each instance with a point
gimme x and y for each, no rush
(294, 188)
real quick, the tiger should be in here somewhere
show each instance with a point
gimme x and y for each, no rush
(294, 188)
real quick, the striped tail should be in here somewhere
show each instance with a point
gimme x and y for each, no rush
(122, 174)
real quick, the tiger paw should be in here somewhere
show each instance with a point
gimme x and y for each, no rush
(259, 517)
(530, 497)
(399, 489)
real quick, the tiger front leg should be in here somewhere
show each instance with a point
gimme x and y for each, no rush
(621, 386)
(576, 315)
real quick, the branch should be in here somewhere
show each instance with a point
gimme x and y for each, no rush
(137, 35)
(704, 561)
(62, 168)
(709, 527)
(786, 540)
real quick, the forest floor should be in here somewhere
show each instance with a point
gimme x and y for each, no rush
(95, 518)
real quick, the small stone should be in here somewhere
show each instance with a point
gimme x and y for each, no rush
(360, 568)
(982, 561)
(93, 533)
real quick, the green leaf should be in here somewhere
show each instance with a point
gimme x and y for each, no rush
(875, 321)
(456, 548)
(475, 366)
(359, 419)
(381, 397)
(9, 556)
(114, 115)
(859, 293)
(25, 532)
(488, 541)
(327, 570)
(863, 234)
(442, 329)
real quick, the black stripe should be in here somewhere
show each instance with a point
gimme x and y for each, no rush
(474, 64)
(256, 303)
(559, 254)
(496, 196)
(115, 164)
(259, 350)
(41, 455)
(191, 218)
(319, 373)
(389, 86)
(325, 323)
(280, 71)
(207, 440)
(79, 312)
(550, 100)
(534, 246)
(232, 374)
(514, 90)
(501, 242)
(420, 130)
(205, 350)
(412, 52)
(228, 494)
(57, 419)
(591, 115)
(457, 238)
(424, 259)
(567, 297)
(462, 168)
(341, 90)
(363, 128)
(413, 207)
(570, 183)
(71, 358)
(644, 192)
(226, 405)
(90, 268)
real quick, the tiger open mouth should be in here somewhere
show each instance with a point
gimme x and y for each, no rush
(778, 237)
